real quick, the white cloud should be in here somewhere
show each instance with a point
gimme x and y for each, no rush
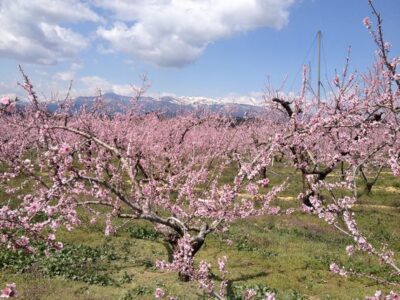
(8, 89)
(69, 74)
(169, 33)
(123, 89)
(65, 76)
(174, 33)
(31, 31)
(93, 84)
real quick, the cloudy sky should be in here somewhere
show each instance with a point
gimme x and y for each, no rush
(211, 48)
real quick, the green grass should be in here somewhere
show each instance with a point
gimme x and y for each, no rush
(289, 255)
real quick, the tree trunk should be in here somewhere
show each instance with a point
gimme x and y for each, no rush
(306, 197)
(342, 171)
(171, 243)
(263, 173)
(368, 188)
(183, 277)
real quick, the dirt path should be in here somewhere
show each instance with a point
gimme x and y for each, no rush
(377, 206)
(290, 198)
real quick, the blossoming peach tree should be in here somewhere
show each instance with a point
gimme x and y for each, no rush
(171, 172)
(356, 127)
(59, 166)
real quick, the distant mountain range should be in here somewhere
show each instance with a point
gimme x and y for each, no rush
(169, 106)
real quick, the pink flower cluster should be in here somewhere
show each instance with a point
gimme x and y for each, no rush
(182, 258)
(8, 105)
(380, 296)
(5, 101)
(335, 269)
(9, 291)
(367, 22)
(204, 277)
(159, 293)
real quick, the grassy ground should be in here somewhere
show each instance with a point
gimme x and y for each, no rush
(289, 255)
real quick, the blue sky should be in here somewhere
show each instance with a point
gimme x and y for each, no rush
(204, 48)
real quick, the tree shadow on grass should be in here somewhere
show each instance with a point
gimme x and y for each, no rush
(230, 283)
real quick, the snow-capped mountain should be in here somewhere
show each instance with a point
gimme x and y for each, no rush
(172, 106)
(218, 101)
